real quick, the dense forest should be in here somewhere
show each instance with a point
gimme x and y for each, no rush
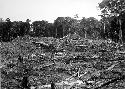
(107, 27)
(66, 54)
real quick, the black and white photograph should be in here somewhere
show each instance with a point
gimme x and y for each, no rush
(62, 44)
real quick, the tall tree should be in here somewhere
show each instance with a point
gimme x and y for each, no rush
(90, 26)
(84, 26)
(59, 26)
(114, 8)
(50, 30)
(66, 25)
(39, 28)
(6, 26)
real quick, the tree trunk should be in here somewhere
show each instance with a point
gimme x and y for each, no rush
(104, 30)
(56, 32)
(24, 83)
(52, 85)
(104, 27)
(85, 33)
(120, 32)
(63, 31)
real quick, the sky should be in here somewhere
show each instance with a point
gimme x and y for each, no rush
(49, 10)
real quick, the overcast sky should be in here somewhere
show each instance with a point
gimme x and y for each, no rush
(49, 10)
